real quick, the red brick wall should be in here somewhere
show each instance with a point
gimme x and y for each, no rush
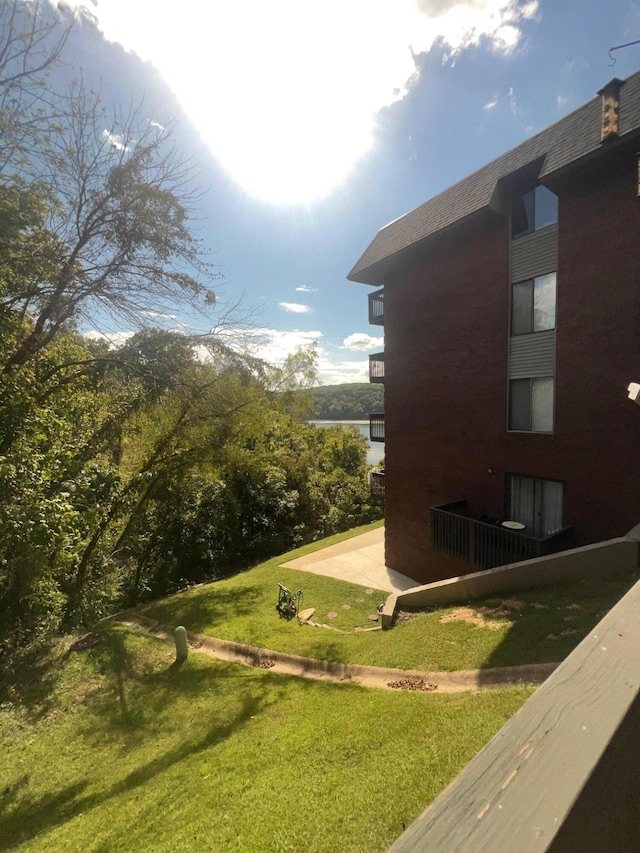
(446, 339)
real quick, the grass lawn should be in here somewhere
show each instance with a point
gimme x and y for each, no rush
(537, 626)
(112, 749)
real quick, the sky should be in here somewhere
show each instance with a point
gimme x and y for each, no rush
(313, 125)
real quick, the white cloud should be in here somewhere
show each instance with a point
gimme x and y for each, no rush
(114, 339)
(304, 288)
(158, 315)
(157, 125)
(513, 104)
(286, 93)
(274, 346)
(490, 104)
(116, 140)
(562, 101)
(335, 372)
(295, 307)
(361, 341)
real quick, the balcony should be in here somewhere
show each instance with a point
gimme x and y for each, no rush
(376, 427)
(376, 367)
(487, 545)
(376, 485)
(376, 308)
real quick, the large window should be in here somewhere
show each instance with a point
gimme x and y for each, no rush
(536, 503)
(532, 211)
(533, 305)
(531, 404)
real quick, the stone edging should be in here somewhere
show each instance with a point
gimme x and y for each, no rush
(368, 676)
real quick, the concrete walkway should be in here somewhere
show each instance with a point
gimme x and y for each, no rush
(358, 560)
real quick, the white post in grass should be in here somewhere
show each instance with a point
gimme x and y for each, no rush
(182, 647)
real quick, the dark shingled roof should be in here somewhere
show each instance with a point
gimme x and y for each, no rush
(561, 144)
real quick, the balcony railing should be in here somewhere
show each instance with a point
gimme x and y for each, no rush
(376, 367)
(376, 484)
(376, 308)
(376, 427)
(488, 545)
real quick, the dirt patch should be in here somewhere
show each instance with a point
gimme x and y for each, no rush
(405, 616)
(263, 663)
(567, 633)
(412, 684)
(474, 617)
(513, 603)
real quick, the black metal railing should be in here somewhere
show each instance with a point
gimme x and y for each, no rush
(376, 485)
(376, 367)
(376, 308)
(488, 545)
(376, 427)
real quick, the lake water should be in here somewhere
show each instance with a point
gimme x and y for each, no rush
(375, 450)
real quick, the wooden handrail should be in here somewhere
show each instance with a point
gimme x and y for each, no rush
(563, 774)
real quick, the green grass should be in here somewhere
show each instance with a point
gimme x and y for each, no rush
(242, 608)
(113, 749)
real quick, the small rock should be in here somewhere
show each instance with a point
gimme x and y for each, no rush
(359, 600)
(346, 607)
(332, 615)
(373, 617)
(369, 591)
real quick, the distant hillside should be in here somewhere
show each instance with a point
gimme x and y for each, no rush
(349, 402)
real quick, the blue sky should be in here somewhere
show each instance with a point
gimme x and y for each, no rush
(313, 125)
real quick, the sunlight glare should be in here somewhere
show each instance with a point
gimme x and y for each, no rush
(286, 93)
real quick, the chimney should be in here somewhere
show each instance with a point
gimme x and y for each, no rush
(610, 98)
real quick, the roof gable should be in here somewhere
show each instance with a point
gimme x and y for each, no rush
(560, 144)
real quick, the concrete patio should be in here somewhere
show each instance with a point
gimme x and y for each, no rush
(359, 560)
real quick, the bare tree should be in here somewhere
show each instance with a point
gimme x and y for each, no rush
(32, 39)
(116, 224)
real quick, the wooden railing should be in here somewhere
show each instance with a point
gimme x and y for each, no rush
(488, 545)
(376, 308)
(562, 775)
(376, 427)
(376, 484)
(376, 367)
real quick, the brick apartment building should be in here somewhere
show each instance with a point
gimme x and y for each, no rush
(511, 311)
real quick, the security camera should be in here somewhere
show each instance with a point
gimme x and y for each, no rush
(634, 392)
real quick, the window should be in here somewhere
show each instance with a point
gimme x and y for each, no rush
(531, 404)
(532, 211)
(533, 305)
(536, 503)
